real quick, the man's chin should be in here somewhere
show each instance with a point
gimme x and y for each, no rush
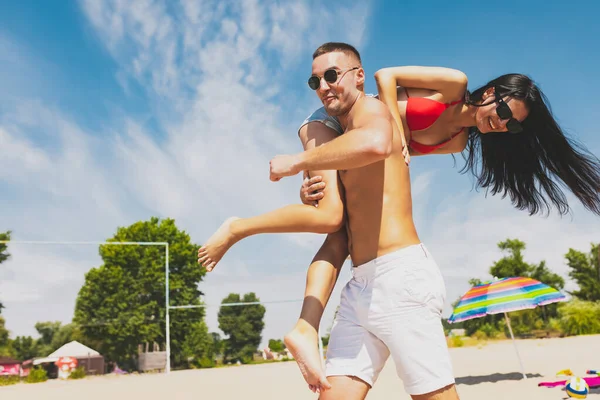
(332, 111)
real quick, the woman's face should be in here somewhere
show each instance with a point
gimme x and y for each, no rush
(487, 119)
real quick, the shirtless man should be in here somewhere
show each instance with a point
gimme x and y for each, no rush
(393, 303)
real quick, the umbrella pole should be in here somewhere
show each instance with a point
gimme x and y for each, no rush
(515, 344)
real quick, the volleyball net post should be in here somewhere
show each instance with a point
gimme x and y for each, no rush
(94, 243)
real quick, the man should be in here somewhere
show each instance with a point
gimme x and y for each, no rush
(393, 303)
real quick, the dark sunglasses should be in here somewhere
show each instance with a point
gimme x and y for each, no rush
(331, 76)
(504, 112)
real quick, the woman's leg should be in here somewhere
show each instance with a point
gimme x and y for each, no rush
(326, 218)
(303, 340)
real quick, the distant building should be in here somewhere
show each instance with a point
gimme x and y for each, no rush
(456, 333)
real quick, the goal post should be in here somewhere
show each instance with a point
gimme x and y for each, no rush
(168, 307)
(93, 243)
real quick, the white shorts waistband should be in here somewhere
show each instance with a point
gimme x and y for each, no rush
(404, 256)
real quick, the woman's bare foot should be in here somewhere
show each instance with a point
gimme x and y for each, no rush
(216, 247)
(304, 346)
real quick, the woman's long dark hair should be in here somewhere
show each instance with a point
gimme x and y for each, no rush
(522, 165)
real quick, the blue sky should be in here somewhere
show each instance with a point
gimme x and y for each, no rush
(112, 112)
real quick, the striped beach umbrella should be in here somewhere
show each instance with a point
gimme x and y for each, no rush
(503, 296)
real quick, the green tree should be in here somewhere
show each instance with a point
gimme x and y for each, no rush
(4, 253)
(513, 263)
(25, 348)
(47, 331)
(197, 348)
(585, 270)
(65, 334)
(5, 344)
(218, 345)
(3, 247)
(122, 303)
(276, 345)
(243, 325)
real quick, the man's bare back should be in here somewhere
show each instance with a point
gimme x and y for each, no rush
(378, 196)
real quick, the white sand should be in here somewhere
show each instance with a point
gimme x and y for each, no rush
(490, 372)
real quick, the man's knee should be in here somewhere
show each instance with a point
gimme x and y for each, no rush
(446, 393)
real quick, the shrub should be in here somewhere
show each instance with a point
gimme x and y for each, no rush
(206, 362)
(579, 317)
(9, 380)
(489, 330)
(36, 375)
(480, 335)
(78, 373)
(457, 341)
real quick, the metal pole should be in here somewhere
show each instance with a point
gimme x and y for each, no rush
(515, 344)
(167, 322)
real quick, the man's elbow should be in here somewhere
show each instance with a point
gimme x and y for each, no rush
(380, 145)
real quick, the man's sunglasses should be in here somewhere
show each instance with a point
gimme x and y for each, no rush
(331, 77)
(504, 112)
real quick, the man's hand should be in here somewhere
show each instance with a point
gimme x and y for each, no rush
(312, 190)
(282, 166)
(405, 151)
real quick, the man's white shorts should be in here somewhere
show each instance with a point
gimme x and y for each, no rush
(393, 305)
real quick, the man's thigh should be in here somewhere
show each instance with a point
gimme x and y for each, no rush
(408, 321)
(345, 388)
(352, 349)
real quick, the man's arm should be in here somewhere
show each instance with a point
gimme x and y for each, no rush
(369, 141)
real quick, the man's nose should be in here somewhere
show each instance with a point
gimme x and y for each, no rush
(323, 85)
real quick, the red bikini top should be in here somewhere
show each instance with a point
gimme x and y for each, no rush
(421, 113)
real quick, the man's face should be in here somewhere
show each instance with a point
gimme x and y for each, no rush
(338, 96)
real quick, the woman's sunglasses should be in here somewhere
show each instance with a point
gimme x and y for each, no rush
(504, 112)
(331, 77)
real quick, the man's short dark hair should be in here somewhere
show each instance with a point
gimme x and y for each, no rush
(330, 47)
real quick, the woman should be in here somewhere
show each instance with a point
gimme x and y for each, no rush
(505, 125)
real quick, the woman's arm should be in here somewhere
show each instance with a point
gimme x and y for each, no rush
(450, 83)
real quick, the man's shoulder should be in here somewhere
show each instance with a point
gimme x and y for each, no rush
(370, 107)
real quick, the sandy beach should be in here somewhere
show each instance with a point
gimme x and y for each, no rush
(489, 372)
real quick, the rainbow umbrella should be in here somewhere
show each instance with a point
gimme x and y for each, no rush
(503, 296)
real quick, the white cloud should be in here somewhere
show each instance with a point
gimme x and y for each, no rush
(220, 95)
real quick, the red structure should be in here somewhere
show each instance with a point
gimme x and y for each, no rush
(9, 367)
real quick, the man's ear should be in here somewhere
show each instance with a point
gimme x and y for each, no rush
(360, 77)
